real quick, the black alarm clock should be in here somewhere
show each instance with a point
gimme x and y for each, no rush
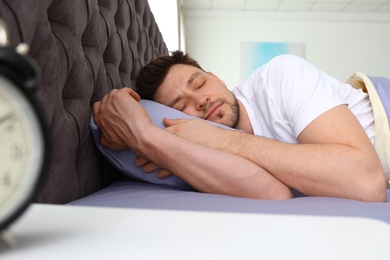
(24, 143)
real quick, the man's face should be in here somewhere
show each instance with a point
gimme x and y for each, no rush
(197, 93)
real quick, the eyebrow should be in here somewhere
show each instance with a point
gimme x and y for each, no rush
(189, 82)
(193, 77)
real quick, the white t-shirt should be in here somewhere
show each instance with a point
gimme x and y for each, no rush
(285, 95)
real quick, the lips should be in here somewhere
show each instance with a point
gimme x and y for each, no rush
(214, 111)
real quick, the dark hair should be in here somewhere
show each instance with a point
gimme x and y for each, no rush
(151, 76)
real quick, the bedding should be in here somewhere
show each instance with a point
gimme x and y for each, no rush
(382, 86)
(124, 160)
(130, 194)
(378, 89)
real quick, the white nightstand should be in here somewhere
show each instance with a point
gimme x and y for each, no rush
(75, 232)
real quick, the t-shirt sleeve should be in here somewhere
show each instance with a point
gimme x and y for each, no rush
(301, 91)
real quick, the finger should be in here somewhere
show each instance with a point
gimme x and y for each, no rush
(131, 92)
(111, 145)
(170, 122)
(98, 105)
(161, 174)
(149, 167)
(139, 161)
(111, 93)
(95, 108)
(134, 95)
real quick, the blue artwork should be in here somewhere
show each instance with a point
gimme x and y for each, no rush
(255, 54)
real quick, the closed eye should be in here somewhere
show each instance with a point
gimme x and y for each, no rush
(201, 85)
(181, 105)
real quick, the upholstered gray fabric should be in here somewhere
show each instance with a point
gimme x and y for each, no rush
(84, 48)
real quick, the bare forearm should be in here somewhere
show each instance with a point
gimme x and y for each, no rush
(314, 169)
(210, 170)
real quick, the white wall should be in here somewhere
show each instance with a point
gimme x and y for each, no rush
(339, 44)
(167, 18)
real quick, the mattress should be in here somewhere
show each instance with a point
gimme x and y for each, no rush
(130, 194)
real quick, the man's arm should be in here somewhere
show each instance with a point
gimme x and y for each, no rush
(125, 124)
(334, 156)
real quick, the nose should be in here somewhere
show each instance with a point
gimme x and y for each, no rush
(200, 101)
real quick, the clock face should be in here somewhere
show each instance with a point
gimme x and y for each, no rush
(22, 149)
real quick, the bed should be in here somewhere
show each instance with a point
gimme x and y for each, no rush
(85, 48)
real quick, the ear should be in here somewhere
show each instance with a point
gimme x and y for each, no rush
(212, 74)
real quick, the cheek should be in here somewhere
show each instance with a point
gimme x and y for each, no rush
(191, 111)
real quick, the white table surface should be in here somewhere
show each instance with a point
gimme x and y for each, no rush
(75, 232)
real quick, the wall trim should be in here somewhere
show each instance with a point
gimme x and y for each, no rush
(298, 16)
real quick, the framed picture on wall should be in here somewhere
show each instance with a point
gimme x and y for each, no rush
(255, 54)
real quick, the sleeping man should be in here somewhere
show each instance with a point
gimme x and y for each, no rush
(300, 129)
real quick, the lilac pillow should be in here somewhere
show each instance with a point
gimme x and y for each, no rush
(124, 160)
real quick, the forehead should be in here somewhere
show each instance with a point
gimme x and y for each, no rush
(181, 74)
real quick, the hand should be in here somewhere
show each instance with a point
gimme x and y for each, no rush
(195, 130)
(120, 118)
(149, 166)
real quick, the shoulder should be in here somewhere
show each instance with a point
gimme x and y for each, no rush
(293, 72)
(281, 74)
(286, 59)
(281, 70)
(288, 65)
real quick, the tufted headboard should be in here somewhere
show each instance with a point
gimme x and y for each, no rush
(84, 49)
